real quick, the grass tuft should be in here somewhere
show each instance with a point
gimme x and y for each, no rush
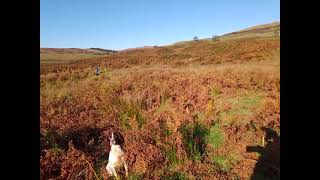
(194, 140)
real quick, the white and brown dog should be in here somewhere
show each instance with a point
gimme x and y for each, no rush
(116, 155)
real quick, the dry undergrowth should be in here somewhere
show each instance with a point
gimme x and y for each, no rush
(186, 111)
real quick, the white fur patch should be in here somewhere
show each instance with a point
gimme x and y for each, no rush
(116, 158)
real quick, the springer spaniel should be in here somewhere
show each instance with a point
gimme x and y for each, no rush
(116, 155)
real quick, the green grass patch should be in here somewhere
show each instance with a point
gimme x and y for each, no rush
(241, 109)
(248, 101)
(215, 136)
(135, 176)
(225, 163)
(174, 176)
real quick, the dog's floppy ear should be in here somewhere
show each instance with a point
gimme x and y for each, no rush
(119, 138)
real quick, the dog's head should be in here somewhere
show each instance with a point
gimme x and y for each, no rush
(116, 139)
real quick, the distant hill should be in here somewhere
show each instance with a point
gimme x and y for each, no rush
(260, 30)
(263, 27)
(263, 30)
(75, 51)
(99, 50)
(58, 55)
(137, 48)
(61, 55)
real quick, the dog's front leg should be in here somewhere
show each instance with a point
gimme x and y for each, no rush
(112, 171)
(125, 165)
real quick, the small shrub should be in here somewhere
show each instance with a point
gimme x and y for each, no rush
(169, 150)
(199, 116)
(214, 38)
(64, 93)
(165, 129)
(194, 139)
(50, 139)
(215, 91)
(167, 132)
(130, 110)
(165, 95)
(124, 119)
(97, 169)
(237, 177)
(164, 106)
(140, 119)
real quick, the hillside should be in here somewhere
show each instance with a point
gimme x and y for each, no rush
(207, 109)
(63, 55)
(264, 30)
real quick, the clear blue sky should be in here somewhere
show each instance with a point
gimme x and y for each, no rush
(120, 24)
